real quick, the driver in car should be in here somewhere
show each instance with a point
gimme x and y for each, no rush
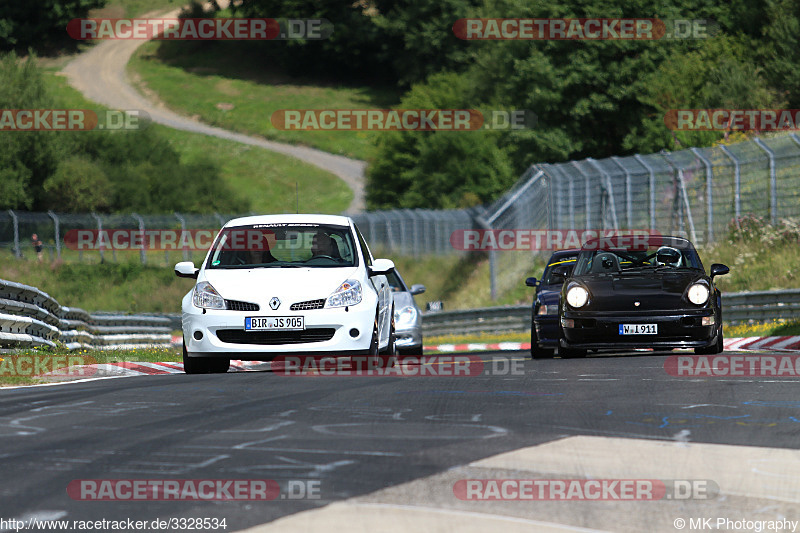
(668, 256)
(323, 245)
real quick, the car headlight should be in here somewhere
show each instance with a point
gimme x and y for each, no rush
(206, 297)
(698, 293)
(577, 296)
(348, 293)
(405, 316)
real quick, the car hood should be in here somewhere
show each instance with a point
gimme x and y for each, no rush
(290, 285)
(403, 299)
(653, 290)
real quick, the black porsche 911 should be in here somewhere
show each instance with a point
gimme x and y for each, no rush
(640, 292)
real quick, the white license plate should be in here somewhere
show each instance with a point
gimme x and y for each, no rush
(273, 323)
(638, 329)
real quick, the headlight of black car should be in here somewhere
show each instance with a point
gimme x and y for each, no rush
(577, 296)
(698, 293)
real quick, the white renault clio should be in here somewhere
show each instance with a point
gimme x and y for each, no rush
(286, 284)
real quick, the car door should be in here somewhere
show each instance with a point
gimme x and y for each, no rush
(381, 286)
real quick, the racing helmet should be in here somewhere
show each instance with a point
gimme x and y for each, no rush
(666, 255)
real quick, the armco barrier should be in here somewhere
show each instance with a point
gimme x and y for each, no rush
(30, 317)
(737, 308)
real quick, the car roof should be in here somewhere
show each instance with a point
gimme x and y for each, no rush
(563, 253)
(334, 220)
(652, 239)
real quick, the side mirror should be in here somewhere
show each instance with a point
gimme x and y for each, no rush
(417, 289)
(186, 269)
(718, 269)
(380, 267)
(531, 282)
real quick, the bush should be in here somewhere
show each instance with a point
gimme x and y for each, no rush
(78, 186)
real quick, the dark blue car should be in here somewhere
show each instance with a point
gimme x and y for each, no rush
(544, 312)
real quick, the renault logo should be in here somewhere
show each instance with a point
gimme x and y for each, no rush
(274, 303)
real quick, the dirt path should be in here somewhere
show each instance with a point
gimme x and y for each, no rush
(100, 75)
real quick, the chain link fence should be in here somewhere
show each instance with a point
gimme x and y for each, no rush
(697, 193)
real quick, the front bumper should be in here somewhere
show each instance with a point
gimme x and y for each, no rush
(222, 333)
(409, 337)
(547, 330)
(675, 330)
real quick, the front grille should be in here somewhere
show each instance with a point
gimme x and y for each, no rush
(240, 336)
(305, 306)
(235, 305)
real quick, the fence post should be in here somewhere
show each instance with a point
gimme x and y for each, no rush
(483, 223)
(142, 254)
(773, 182)
(652, 173)
(628, 195)
(99, 238)
(709, 195)
(737, 199)
(182, 220)
(588, 224)
(609, 191)
(57, 228)
(683, 197)
(15, 221)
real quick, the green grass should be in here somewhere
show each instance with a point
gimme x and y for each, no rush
(12, 362)
(266, 179)
(755, 266)
(128, 287)
(229, 84)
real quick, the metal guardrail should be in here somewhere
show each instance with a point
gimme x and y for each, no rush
(30, 317)
(737, 308)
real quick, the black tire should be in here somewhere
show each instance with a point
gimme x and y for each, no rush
(373, 343)
(538, 352)
(197, 365)
(391, 348)
(416, 351)
(717, 347)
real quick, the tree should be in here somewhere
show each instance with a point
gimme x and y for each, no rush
(40, 23)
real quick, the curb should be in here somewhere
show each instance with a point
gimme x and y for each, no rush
(790, 343)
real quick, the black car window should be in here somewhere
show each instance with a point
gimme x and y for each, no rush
(620, 260)
(550, 277)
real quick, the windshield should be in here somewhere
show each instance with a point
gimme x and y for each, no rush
(561, 265)
(605, 261)
(283, 245)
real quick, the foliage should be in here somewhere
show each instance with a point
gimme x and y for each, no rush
(100, 171)
(39, 24)
(439, 169)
